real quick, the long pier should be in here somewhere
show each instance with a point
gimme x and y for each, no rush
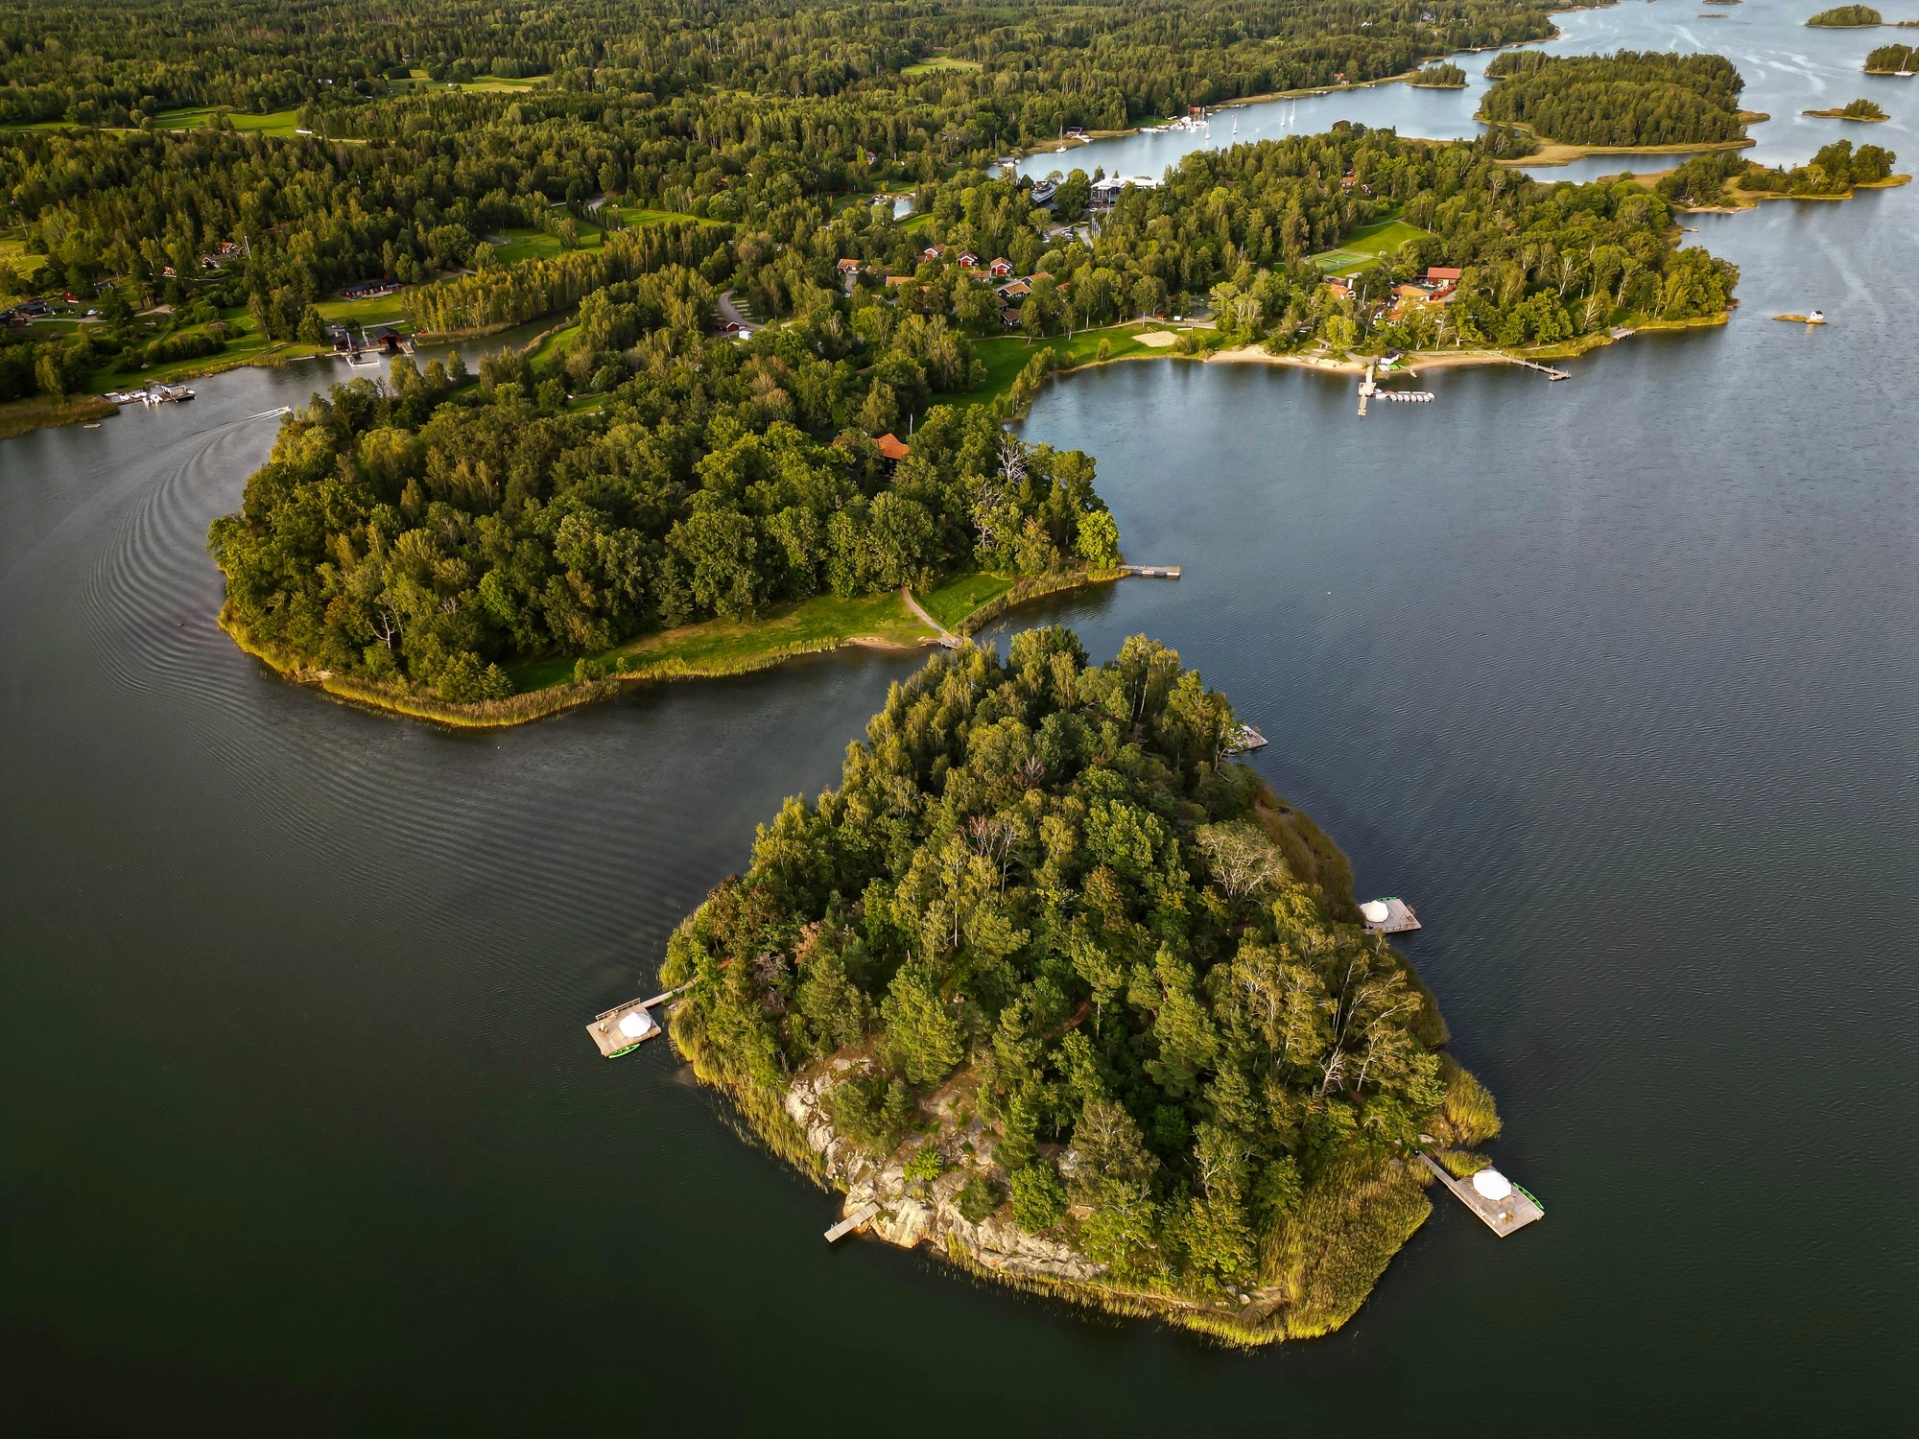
(1546, 370)
(1152, 572)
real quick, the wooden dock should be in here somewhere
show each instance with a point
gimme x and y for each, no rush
(1547, 370)
(1515, 1211)
(852, 1221)
(1152, 572)
(627, 1026)
(1391, 915)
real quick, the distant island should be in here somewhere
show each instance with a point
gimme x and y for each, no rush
(1628, 100)
(1723, 180)
(1847, 17)
(1442, 76)
(1893, 60)
(1851, 110)
(1053, 986)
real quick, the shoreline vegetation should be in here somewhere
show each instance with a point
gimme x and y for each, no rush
(1085, 1021)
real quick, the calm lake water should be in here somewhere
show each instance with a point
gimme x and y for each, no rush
(1613, 679)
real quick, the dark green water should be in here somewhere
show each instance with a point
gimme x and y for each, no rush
(1614, 679)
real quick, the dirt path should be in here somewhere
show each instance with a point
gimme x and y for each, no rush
(947, 637)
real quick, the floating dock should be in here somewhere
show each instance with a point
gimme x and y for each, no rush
(1152, 572)
(1416, 396)
(626, 1027)
(1391, 915)
(852, 1221)
(1504, 1209)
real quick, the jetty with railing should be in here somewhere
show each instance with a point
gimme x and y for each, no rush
(1500, 1204)
(1152, 572)
(625, 1027)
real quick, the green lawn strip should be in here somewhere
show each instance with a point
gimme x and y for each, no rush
(244, 349)
(957, 598)
(375, 310)
(1365, 245)
(939, 62)
(525, 244)
(1005, 356)
(280, 122)
(722, 646)
(553, 347)
(637, 216)
(14, 253)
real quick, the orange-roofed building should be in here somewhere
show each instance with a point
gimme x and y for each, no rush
(893, 448)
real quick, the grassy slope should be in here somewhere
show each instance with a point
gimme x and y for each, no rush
(937, 63)
(1006, 355)
(721, 646)
(957, 598)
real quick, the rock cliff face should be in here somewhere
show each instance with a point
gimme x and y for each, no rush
(912, 1212)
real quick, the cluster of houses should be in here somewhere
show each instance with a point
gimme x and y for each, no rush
(1436, 287)
(1010, 288)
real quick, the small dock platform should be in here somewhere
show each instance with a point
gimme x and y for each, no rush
(1391, 915)
(625, 1027)
(1245, 741)
(1152, 572)
(864, 1214)
(1502, 1212)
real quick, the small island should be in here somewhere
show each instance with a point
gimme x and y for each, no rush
(1587, 104)
(1441, 76)
(1847, 17)
(1724, 181)
(1900, 60)
(1864, 110)
(1053, 986)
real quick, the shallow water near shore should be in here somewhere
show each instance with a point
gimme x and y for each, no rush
(1613, 679)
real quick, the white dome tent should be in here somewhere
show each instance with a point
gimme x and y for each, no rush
(1492, 1184)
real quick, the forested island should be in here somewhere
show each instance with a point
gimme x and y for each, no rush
(1893, 60)
(1847, 17)
(1726, 180)
(1444, 76)
(1865, 110)
(1067, 993)
(1626, 100)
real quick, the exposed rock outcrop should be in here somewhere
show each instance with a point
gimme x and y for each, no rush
(913, 1212)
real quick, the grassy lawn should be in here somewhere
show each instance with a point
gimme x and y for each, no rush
(1005, 356)
(378, 310)
(554, 347)
(280, 122)
(1365, 245)
(14, 253)
(243, 348)
(725, 646)
(957, 598)
(636, 216)
(524, 244)
(937, 63)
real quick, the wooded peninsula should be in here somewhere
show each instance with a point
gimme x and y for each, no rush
(1072, 995)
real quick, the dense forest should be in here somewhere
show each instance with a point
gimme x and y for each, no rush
(397, 537)
(1035, 67)
(1542, 262)
(1630, 98)
(1041, 897)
